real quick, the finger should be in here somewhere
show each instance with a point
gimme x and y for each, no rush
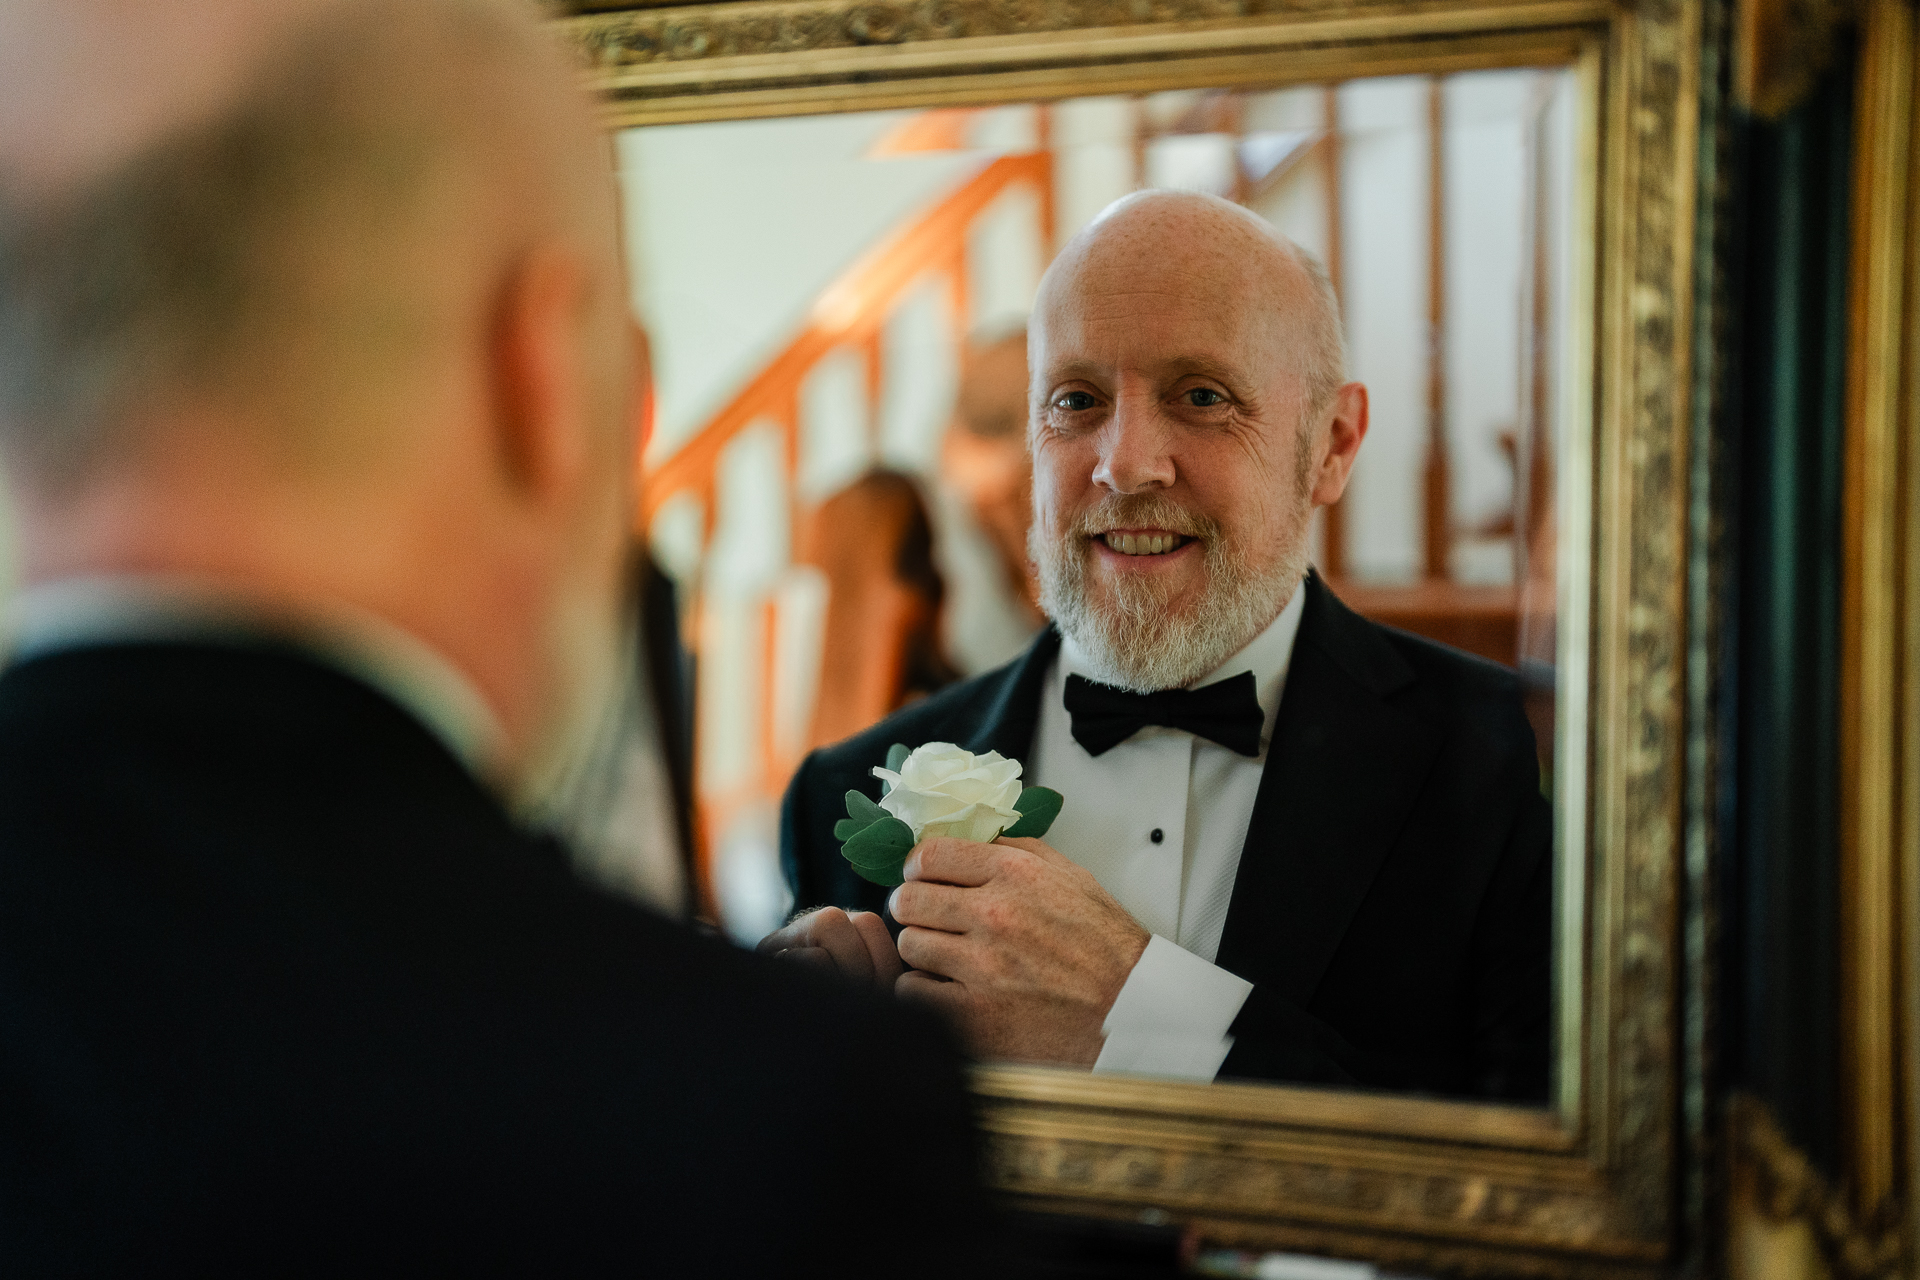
(795, 933)
(806, 957)
(948, 861)
(880, 949)
(1039, 848)
(836, 932)
(944, 954)
(934, 906)
(831, 931)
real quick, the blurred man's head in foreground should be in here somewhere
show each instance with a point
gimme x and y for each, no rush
(320, 302)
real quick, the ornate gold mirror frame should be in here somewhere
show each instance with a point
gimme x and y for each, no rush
(1590, 1187)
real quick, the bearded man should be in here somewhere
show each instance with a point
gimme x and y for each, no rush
(1349, 884)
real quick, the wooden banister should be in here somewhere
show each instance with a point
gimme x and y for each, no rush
(851, 311)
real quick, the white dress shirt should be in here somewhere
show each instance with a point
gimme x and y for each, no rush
(1160, 821)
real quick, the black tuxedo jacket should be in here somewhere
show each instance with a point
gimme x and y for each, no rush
(283, 991)
(1393, 902)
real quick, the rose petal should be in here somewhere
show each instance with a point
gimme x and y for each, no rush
(941, 789)
(977, 822)
(918, 808)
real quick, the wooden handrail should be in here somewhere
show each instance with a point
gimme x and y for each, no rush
(851, 311)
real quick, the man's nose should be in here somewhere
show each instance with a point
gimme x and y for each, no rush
(1135, 448)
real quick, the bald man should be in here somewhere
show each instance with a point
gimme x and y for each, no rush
(1296, 845)
(317, 399)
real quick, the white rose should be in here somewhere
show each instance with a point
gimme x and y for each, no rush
(944, 791)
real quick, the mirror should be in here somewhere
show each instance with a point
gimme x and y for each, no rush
(1565, 314)
(839, 308)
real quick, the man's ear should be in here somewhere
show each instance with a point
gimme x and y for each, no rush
(1345, 430)
(541, 398)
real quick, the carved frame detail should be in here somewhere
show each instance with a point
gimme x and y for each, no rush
(1590, 1188)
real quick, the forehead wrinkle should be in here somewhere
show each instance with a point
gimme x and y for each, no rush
(1176, 365)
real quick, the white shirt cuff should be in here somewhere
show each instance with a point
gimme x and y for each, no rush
(1171, 1017)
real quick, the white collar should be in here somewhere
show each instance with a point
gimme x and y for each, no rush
(1267, 655)
(79, 613)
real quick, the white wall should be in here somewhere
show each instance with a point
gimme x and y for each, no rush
(1385, 244)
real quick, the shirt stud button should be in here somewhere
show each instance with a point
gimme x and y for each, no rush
(1156, 835)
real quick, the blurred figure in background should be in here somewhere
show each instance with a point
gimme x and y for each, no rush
(317, 395)
(985, 466)
(873, 542)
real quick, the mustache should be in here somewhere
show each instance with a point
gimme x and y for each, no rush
(1143, 511)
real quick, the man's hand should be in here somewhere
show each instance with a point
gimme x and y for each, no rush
(1022, 947)
(856, 945)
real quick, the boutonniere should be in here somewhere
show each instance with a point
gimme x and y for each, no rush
(939, 790)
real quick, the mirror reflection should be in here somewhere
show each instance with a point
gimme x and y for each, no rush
(1192, 459)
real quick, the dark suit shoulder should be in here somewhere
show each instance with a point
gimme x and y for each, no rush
(1467, 675)
(1469, 699)
(1464, 682)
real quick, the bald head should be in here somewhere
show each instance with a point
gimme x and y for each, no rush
(1256, 272)
(85, 86)
(273, 201)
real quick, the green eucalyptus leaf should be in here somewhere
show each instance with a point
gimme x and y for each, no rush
(862, 809)
(887, 841)
(888, 875)
(896, 756)
(1038, 807)
(847, 828)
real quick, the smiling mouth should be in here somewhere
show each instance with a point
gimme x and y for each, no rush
(1143, 544)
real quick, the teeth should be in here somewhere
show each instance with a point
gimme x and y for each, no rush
(1153, 544)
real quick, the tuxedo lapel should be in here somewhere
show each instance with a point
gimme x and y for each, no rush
(1342, 772)
(1009, 710)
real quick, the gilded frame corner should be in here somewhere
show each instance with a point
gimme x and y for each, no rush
(1589, 1188)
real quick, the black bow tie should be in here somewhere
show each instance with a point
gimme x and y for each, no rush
(1227, 713)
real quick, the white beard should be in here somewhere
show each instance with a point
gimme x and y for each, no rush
(1127, 632)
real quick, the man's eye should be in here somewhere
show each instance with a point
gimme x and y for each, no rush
(1205, 398)
(1074, 401)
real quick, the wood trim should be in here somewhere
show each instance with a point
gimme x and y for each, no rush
(1788, 1220)
(1877, 758)
(1907, 776)
(794, 57)
(1783, 47)
(1296, 1109)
